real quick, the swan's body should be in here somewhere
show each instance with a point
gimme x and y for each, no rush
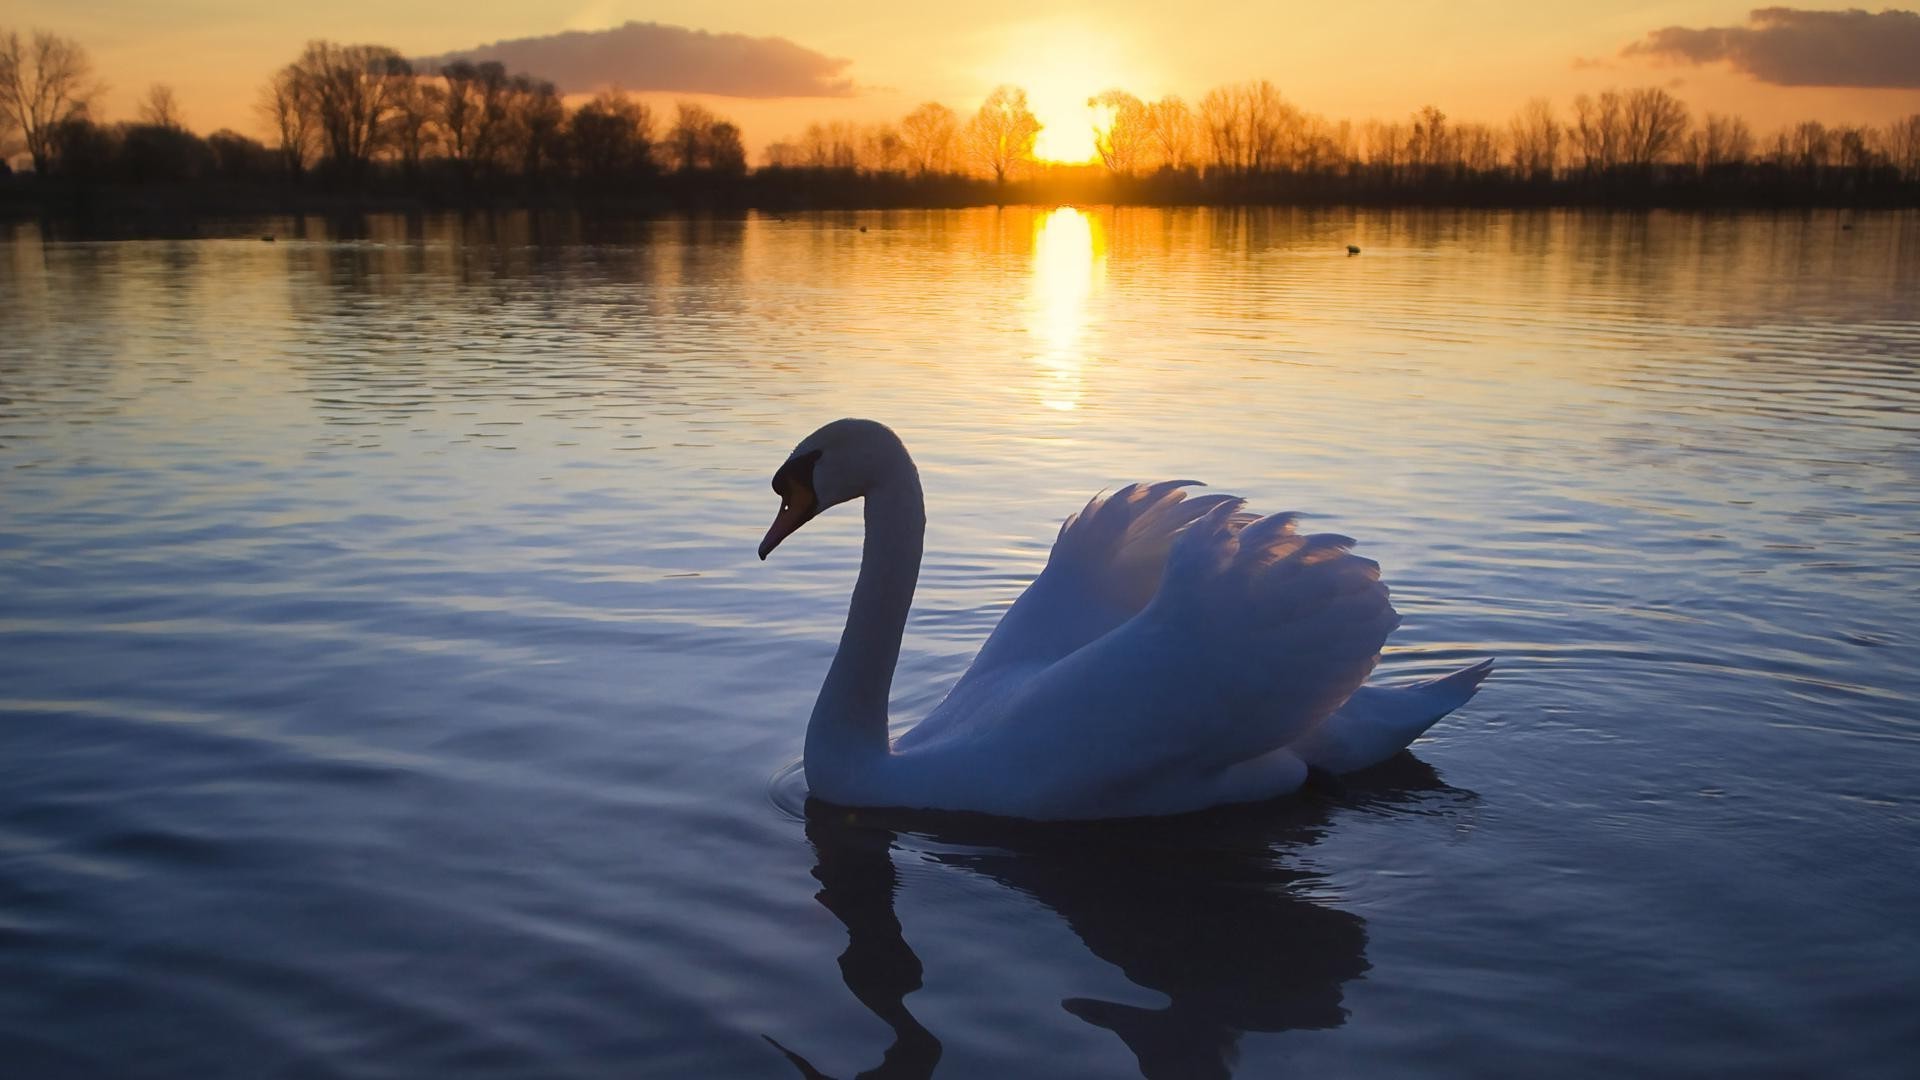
(1175, 654)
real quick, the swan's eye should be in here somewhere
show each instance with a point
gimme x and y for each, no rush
(784, 506)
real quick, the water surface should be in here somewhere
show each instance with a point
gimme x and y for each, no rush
(388, 686)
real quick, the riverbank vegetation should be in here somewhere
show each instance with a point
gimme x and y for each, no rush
(359, 126)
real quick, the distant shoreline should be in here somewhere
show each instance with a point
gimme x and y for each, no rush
(797, 191)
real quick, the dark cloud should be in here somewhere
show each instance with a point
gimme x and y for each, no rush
(1792, 47)
(650, 56)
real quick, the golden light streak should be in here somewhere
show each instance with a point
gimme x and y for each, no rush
(1069, 264)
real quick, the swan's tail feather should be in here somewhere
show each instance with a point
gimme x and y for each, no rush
(1378, 722)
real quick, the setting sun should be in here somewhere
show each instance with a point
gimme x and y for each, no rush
(1061, 67)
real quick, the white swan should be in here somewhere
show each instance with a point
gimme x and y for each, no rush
(1175, 654)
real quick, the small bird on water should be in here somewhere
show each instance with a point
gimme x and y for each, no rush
(1353, 249)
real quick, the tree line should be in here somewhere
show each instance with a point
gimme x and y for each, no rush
(361, 121)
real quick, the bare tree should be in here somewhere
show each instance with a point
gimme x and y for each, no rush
(1001, 135)
(1250, 127)
(1809, 146)
(1126, 139)
(1902, 140)
(882, 149)
(1853, 148)
(45, 81)
(701, 140)
(473, 113)
(1719, 141)
(1171, 124)
(833, 145)
(1223, 128)
(1322, 145)
(1476, 147)
(413, 132)
(1430, 145)
(287, 104)
(611, 137)
(928, 133)
(1598, 130)
(160, 109)
(1656, 125)
(536, 117)
(351, 89)
(1535, 135)
(1387, 147)
(1272, 127)
(686, 139)
(782, 154)
(726, 152)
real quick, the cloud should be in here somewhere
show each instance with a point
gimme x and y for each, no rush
(653, 56)
(1793, 47)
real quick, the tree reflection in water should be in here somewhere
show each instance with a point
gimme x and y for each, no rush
(1203, 909)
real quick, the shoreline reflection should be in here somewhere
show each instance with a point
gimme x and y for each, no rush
(1205, 910)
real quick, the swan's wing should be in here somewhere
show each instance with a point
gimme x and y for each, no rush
(1255, 635)
(1104, 568)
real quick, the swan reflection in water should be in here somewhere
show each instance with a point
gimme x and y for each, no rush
(1201, 909)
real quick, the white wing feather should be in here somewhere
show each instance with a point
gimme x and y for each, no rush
(1176, 653)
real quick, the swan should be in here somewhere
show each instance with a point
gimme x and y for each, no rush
(1176, 653)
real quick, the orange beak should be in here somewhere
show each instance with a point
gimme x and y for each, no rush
(793, 514)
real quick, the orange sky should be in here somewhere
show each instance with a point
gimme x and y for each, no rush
(1475, 59)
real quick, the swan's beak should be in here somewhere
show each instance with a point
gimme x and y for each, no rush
(798, 504)
(793, 514)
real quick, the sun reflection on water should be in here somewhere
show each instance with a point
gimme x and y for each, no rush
(1069, 264)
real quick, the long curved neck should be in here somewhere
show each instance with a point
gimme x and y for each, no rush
(850, 717)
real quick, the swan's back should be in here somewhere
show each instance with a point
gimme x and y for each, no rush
(1092, 700)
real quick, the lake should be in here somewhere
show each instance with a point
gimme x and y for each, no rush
(389, 688)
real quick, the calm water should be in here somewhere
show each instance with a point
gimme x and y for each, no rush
(388, 686)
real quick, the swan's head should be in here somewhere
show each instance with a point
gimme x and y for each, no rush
(843, 460)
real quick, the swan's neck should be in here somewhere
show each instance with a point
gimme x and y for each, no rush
(849, 724)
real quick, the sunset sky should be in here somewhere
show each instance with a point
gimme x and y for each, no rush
(874, 59)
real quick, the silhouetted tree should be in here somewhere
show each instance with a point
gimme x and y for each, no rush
(1656, 125)
(1808, 147)
(686, 142)
(699, 140)
(1170, 123)
(928, 134)
(351, 90)
(473, 113)
(1903, 146)
(1124, 137)
(1535, 140)
(160, 154)
(45, 81)
(1223, 127)
(882, 148)
(1599, 130)
(537, 117)
(1001, 134)
(1719, 141)
(413, 131)
(286, 103)
(160, 109)
(834, 145)
(237, 157)
(82, 151)
(1476, 149)
(726, 152)
(1430, 144)
(610, 138)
